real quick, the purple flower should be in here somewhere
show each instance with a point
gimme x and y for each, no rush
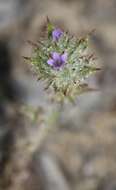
(56, 34)
(57, 60)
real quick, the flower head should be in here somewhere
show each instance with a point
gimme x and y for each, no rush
(57, 60)
(56, 34)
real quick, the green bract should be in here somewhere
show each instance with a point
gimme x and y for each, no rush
(69, 80)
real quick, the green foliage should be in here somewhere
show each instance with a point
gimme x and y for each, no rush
(70, 80)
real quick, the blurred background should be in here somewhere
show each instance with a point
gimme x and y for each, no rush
(77, 152)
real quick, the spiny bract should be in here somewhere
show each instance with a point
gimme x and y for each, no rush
(64, 62)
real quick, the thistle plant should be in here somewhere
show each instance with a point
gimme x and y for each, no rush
(63, 62)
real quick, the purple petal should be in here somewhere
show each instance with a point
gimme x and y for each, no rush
(57, 33)
(56, 56)
(64, 57)
(50, 62)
